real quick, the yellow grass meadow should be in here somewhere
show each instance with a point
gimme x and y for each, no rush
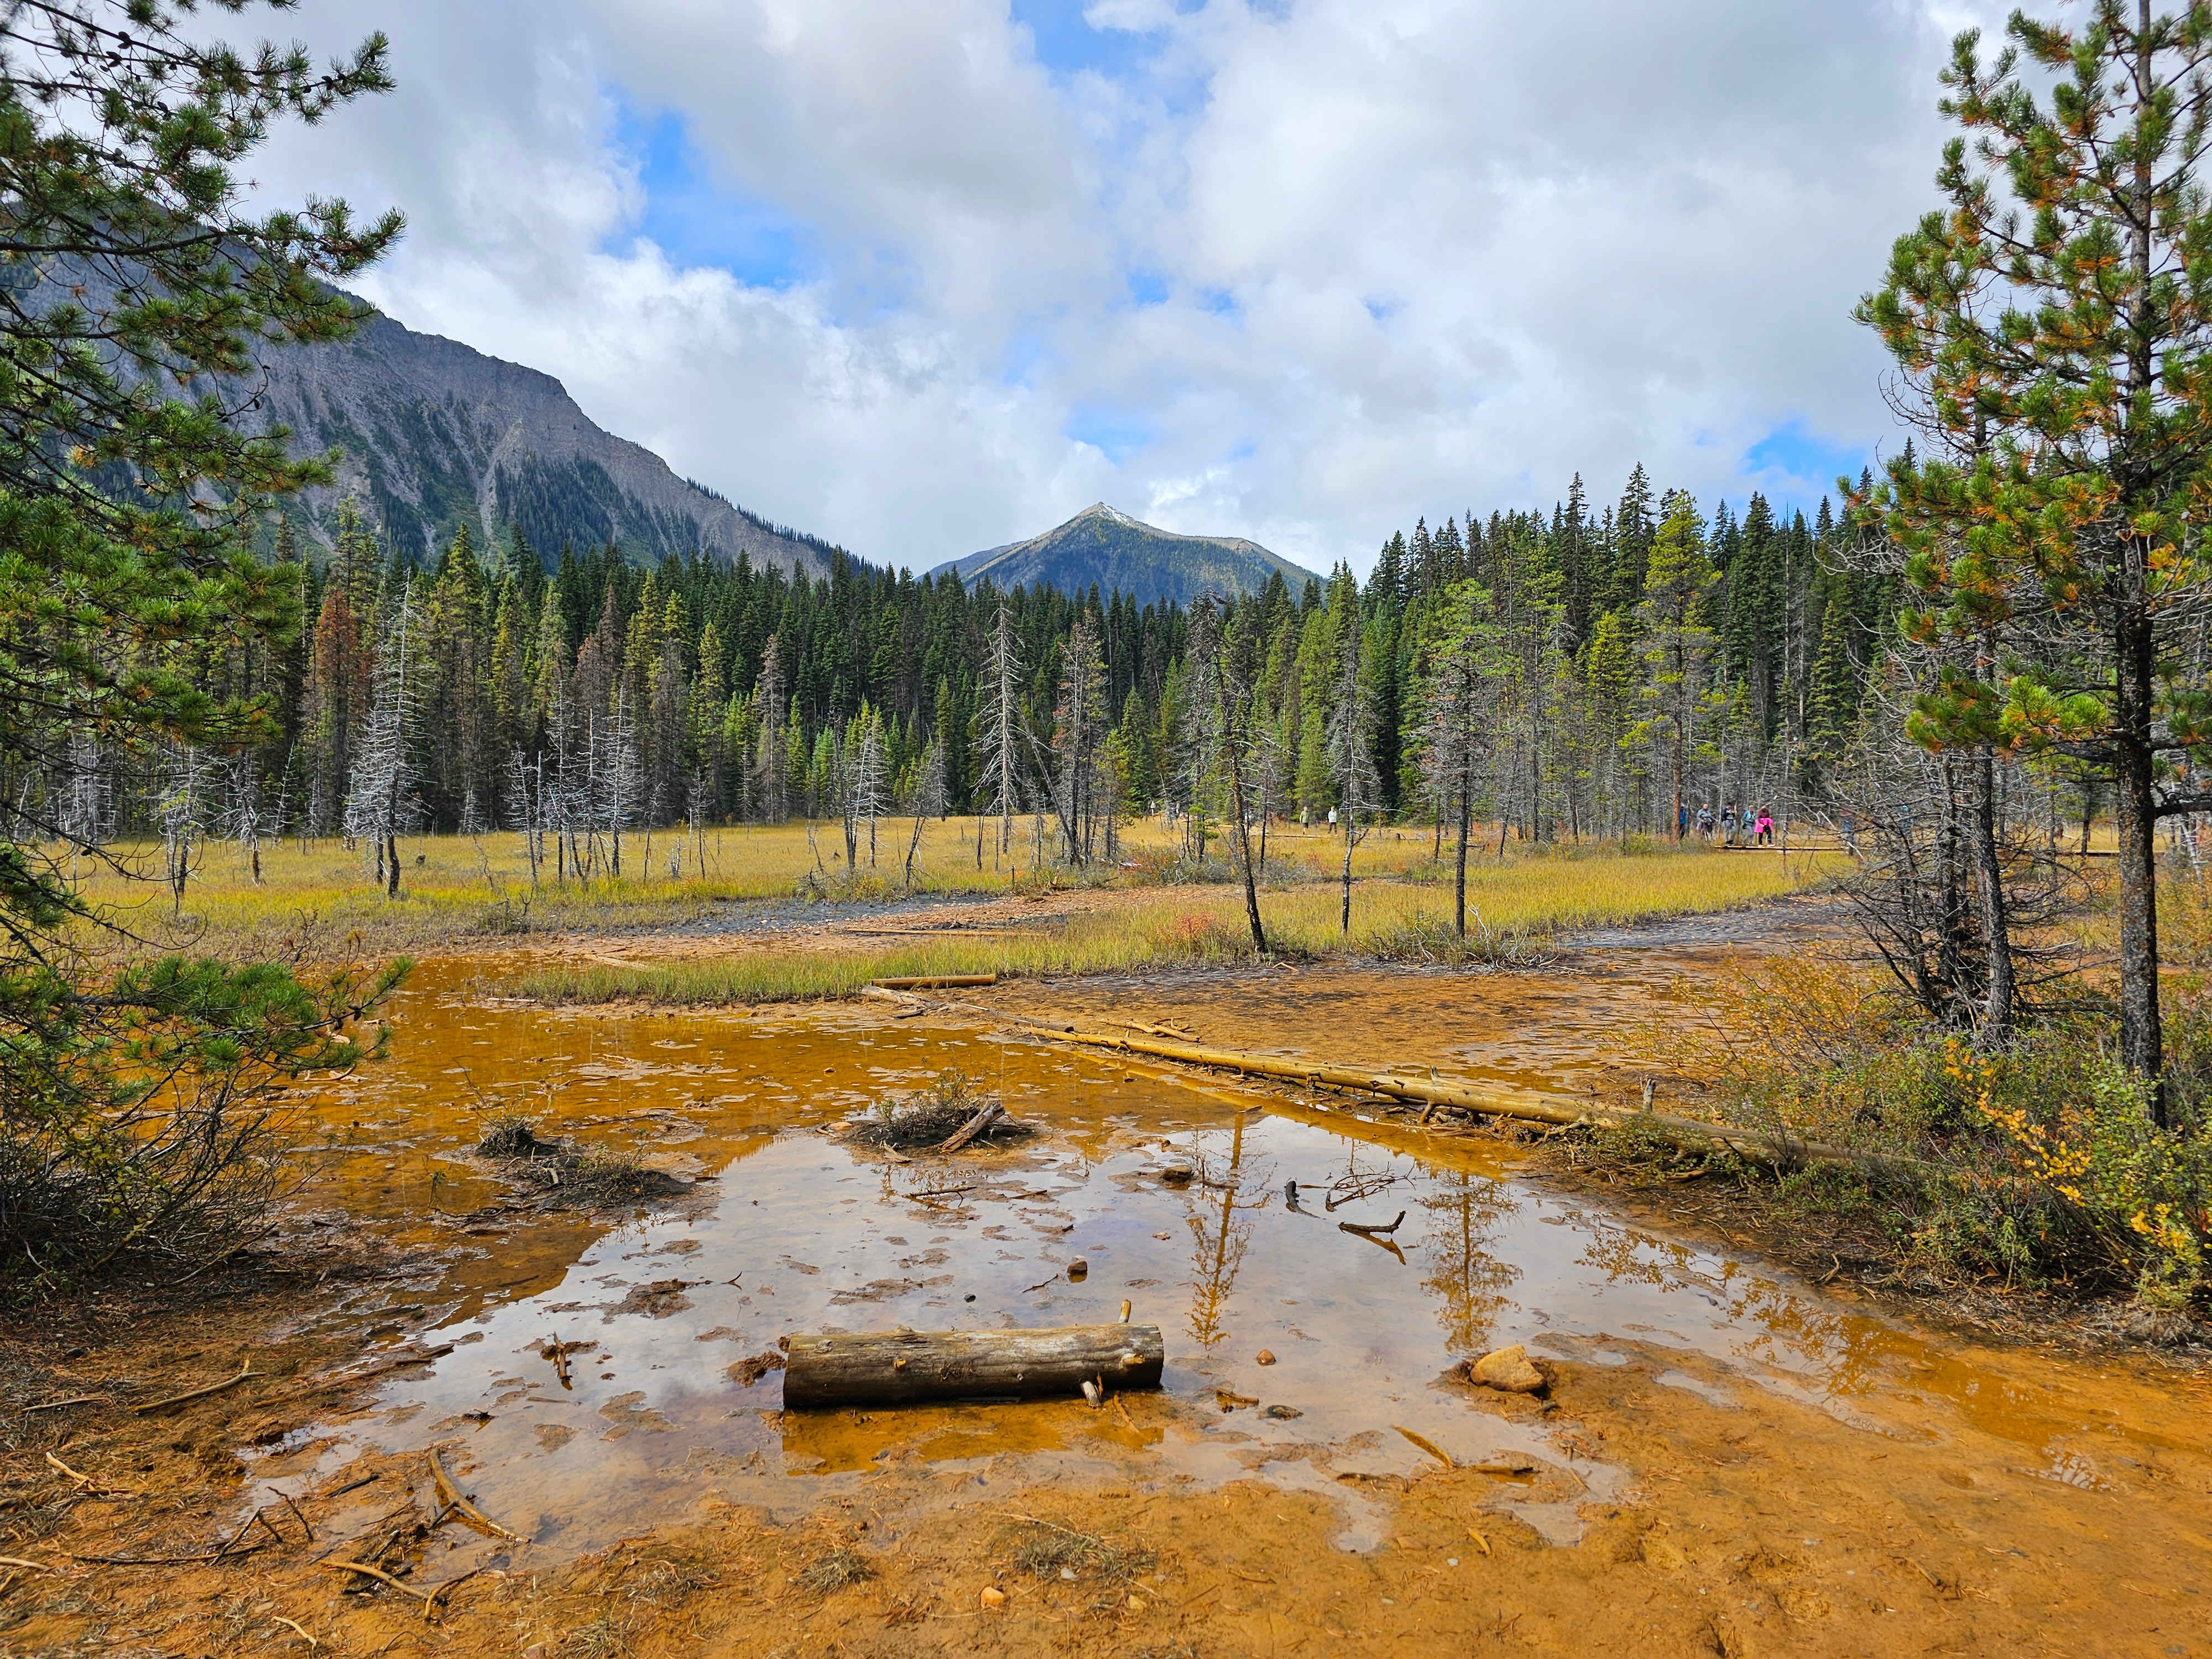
(321, 900)
(1511, 906)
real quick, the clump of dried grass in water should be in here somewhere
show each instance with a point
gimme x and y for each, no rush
(931, 1117)
(840, 1569)
(513, 1137)
(1045, 1551)
(565, 1175)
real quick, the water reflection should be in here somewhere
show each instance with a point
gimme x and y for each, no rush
(801, 1233)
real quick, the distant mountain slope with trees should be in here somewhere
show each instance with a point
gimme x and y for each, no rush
(436, 434)
(1102, 548)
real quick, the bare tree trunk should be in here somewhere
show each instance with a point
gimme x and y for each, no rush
(1466, 824)
(1244, 846)
(1996, 1012)
(2135, 819)
(1343, 926)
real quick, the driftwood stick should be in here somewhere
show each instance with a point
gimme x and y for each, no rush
(296, 1515)
(57, 1405)
(459, 1502)
(974, 1126)
(1372, 1232)
(18, 1561)
(379, 1574)
(559, 1355)
(187, 1397)
(201, 1558)
(934, 982)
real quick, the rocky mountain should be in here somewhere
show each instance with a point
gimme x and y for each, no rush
(435, 432)
(1109, 549)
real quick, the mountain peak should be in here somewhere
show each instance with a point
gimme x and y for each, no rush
(1104, 547)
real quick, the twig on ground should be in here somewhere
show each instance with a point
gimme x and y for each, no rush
(191, 1394)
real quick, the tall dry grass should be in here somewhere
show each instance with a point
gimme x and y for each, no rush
(455, 888)
(1511, 906)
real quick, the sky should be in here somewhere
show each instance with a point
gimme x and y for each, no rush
(923, 277)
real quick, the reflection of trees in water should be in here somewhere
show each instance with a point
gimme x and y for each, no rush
(1221, 1231)
(1469, 1279)
(1842, 1352)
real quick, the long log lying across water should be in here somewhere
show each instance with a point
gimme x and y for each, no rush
(904, 1367)
(1785, 1150)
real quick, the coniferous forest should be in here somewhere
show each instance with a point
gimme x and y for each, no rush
(1590, 673)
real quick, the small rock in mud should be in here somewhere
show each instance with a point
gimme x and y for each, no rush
(1077, 1269)
(1507, 1370)
(1178, 1174)
(748, 1372)
(1505, 1463)
(1282, 1413)
(1265, 1357)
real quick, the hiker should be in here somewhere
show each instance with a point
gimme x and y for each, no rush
(1705, 823)
(1727, 823)
(1765, 830)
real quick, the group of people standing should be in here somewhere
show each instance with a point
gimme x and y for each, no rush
(1751, 827)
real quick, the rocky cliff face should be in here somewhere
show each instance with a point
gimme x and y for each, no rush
(1104, 547)
(434, 433)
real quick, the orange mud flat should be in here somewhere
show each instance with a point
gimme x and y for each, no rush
(1754, 1525)
(1728, 1459)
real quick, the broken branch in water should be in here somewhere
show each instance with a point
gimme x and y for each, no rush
(457, 1502)
(558, 1353)
(975, 1126)
(1368, 1230)
(382, 1576)
(186, 1398)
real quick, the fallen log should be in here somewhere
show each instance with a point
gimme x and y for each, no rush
(934, 982)
(906, 1367)
(1778, 1149)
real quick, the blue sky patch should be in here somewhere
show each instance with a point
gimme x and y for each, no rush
(698, 222)
(1115, 434)
(1147, 287)
(1795, 453)
(1068, 44)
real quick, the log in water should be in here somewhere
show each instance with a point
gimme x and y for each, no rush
(904, 1367)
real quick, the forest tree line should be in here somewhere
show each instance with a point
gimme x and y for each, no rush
(1584, 674)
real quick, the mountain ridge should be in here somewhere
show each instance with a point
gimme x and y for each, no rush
(1104, 547)
(434, 432)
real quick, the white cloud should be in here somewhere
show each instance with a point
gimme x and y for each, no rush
(1416, 256)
